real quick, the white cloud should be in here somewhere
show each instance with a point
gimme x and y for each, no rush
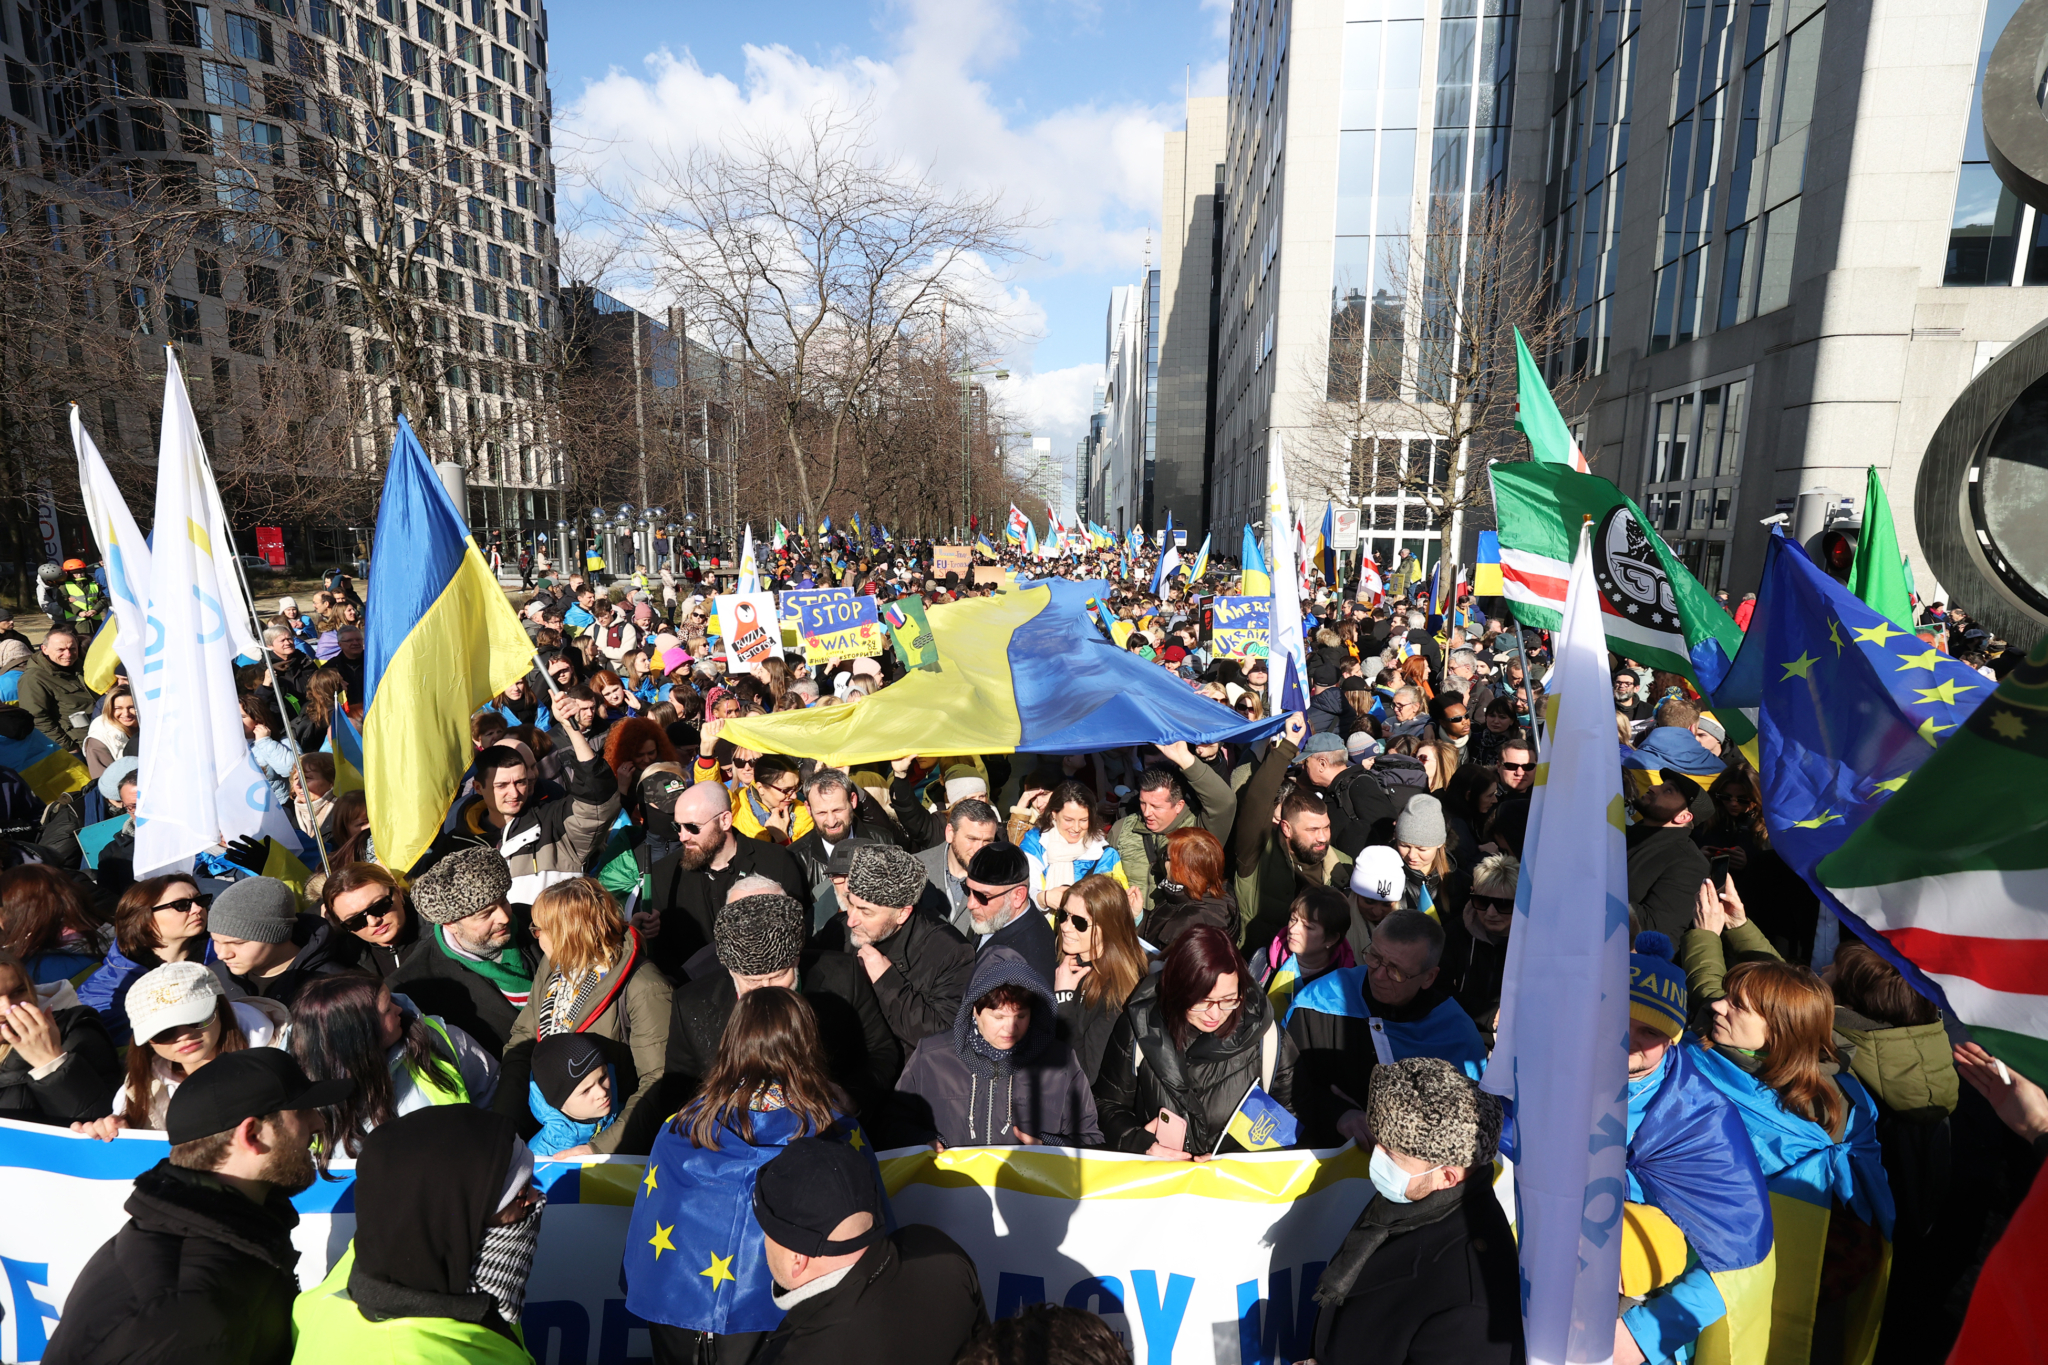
(1088, 174)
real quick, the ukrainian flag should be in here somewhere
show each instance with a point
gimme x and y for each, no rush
(982, 547)
(1201, 564)
(1487, 580)
(1023, 672)
(345, 742)
(1261, 1124)
(442, 642)
(50, 772)
(100, 658)
(1257, 582)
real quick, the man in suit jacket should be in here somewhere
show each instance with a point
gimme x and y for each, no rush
(1000, 911)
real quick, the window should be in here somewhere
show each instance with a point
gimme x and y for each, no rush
(226, 85)
(494, 261)
(468, 46)
(511, 226)
(181, 316)
(166, 75)
(479, 214)
(372, 43)
(148, 122)
(283, 9)
(351, 76)
(472, 130)
(501, 344)
(187, 24)
(508, 146)
(518, 112)
(348, 306)
(260, 286)
(515, 305)
(304, 57)
(201, 133)
(1694, 467)
(309, 297)
(453, 82)
(320, 13)
(397, 97)
(249, 38)
(131, 21)
(431, 117)
(431, 28)
(207, 271)
(526, 271)
(261, 142)
(523, 193)
(283, 99)
(483, 298)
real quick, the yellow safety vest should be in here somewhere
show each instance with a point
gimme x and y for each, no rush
(328, 1327)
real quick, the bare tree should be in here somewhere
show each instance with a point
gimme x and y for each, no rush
(810, 261)
(1421, 377)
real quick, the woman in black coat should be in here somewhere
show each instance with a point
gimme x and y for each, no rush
(57, 1064)
(1100, 963)
(1191, 1042)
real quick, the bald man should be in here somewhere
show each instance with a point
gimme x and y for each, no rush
(691, 883)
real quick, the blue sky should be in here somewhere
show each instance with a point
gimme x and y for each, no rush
(1060, 103)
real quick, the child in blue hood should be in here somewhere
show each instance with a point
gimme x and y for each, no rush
(573, 1093)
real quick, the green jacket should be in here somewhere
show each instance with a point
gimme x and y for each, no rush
(1136, 845)
(58, 699)
(328, 1329)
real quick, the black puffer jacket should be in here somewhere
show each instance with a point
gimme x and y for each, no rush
(199, 1274)
(81, 1087)
(1143, 1072)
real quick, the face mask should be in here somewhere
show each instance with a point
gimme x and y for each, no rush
(1390, 1180)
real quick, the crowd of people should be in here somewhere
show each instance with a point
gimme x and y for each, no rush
(636, 935)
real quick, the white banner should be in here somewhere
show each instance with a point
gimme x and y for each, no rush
(1209, 1264)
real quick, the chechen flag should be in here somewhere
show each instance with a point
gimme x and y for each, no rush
(1953, 870)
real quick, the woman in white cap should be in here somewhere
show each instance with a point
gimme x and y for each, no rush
(181, 1020)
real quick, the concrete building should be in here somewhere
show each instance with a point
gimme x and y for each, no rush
(1189, 304)
(1355, 127)
(118, 107)
(1127, 450)
(1811, 261)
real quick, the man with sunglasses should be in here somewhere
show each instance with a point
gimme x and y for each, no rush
(1389, 1007)
(688, 886)
(1000, 911)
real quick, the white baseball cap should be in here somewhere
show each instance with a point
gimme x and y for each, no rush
(171, 996)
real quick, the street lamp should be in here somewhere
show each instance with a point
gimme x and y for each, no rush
(966, 476)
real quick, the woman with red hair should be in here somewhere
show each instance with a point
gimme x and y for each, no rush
(631, 747)
(1192, 1041)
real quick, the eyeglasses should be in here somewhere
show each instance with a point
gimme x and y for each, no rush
(1376, 963)
(183, 905)
(789, 790)
(179, 1034)
(1214, 1005)
(1508, 767)
(376, 909)
(739, 762)
(689, 828)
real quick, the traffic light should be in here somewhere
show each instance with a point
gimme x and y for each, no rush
(1838, 552)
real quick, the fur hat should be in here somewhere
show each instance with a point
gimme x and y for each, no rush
(461, 884)
(885, 875)
(756, 935)
(1422, 823)
(1427, 1108)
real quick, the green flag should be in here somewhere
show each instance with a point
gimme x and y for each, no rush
(911, 633)
(1879, 574)
(1536, 414)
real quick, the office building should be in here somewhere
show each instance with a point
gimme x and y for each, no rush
(1128, 408)
(424, 127)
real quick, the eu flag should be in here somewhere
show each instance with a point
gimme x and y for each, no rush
(694, 1253)
(1260, 1124)
(1848, 706)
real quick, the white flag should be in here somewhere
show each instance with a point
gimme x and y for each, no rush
(1287, 669)
(1561, 1053)
(200, 788)
(122, 549)
(750, 581)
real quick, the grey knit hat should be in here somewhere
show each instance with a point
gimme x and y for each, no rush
(257, 909)
(756, 935)
(886, 875)
(1422, 823)
(1425, 1107)
(461, 884)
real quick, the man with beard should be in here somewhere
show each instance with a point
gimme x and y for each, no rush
(690, 884)
(203, 1270)
(1277, 858)
(919, 965)
(477, 968)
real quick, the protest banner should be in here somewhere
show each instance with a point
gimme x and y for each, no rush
(1191, 1263)
(947, 559)
(1241, 627)
(844, 629)
(748, 623)
(793, 599)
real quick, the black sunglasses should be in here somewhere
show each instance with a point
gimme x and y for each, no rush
(980, 897)
(1493, 903)
(184, 904)
(1516, 767)
(376, 909)
(1078, 920)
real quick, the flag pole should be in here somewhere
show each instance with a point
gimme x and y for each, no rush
(277, 691)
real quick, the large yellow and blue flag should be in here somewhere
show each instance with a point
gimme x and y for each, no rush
(1261, 1124)
(1256, 582)
(441, 642)
(1326, 548)
(1023, 672)
(1201, 564)
(50, 772)
(983, 548)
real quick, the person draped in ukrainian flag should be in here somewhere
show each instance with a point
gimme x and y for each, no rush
(1813, 1127)
(1697, 1226)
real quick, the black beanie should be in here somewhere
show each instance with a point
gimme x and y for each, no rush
(561, 1062)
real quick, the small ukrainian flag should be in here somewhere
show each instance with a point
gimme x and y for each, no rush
(1260, 1124)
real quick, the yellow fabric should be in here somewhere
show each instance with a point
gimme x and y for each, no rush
(1771, 1305)
(1741, 1336)
(328, 1329)
(1060, 1176)
(1653, 1250)
(100, 658)
(416, 735)
(278, 862)
(967, 707)
(746, 822)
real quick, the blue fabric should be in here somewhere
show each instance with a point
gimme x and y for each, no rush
(1099, 697)
(1669, 1320)
(1446, 1031)
(557, 1129)
(1798, 1158)
(1667, 746)
(543, 718)
(577, 619)
(1836, 720)
(418, 519)
(107, 989)
(10, 686)
(1689, 1156)
(695, 1227)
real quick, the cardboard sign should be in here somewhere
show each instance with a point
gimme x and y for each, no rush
(846, 629)
(794, 599)
(750, 628)
(1242, 629)
(947, 559)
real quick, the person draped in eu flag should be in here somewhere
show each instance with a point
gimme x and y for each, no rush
(694, 1265)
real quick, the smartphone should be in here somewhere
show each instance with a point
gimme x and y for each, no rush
(1172, 1131)
(1718, 870)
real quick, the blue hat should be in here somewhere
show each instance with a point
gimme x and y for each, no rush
(117, 772)
(1322, 744)
(1656, 985)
